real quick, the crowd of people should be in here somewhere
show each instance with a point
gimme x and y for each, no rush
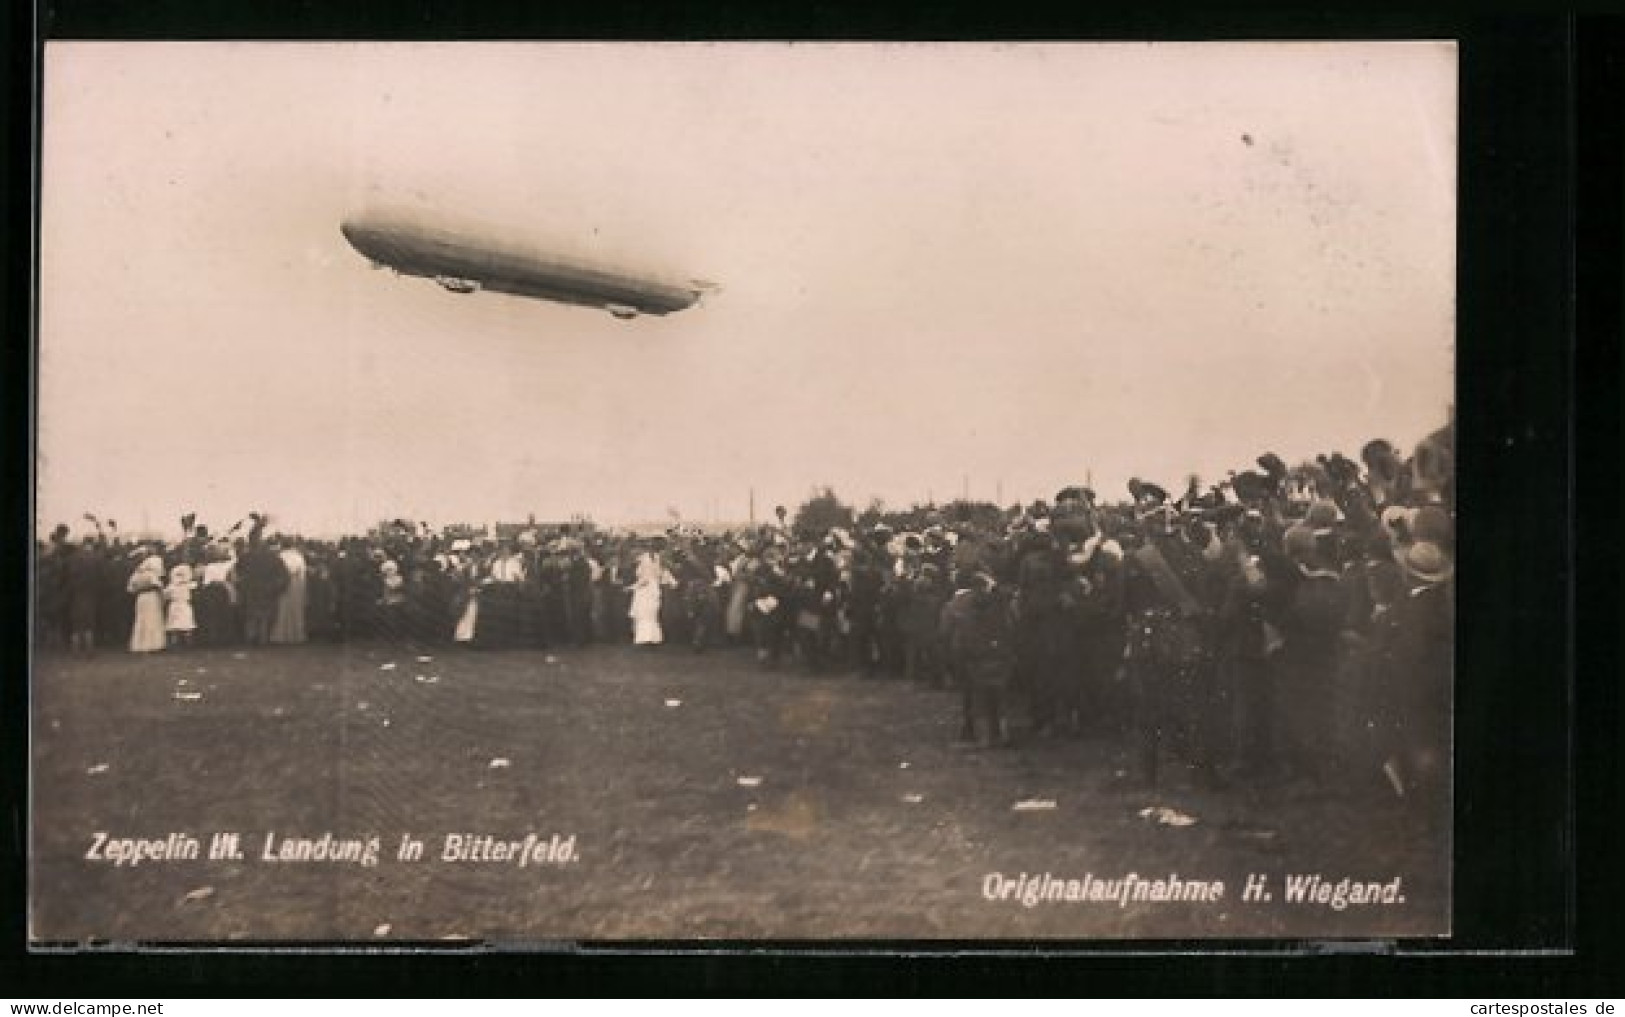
(1287, 623)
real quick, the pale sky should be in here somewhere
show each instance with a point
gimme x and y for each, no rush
(1017, 264)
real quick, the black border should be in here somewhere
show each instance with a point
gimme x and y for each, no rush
(1600, 179)
(1517, 368)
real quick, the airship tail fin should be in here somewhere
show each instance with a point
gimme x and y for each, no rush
(705, 287)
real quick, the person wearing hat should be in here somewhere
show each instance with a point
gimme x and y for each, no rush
(1398, 521)
(579, 591)
(1299, 543)
(1101, 701)
(81, 575)
(1196, 553)
(1432, 524)
(1247, 636)
(390, 613)
(1311, 627)
(566, 608)
(115, 610)
(541, 593)
(595, 598)
(701, 585)
(1323, 514)
(770, 595)
(1147, 496)
(891, 647)
(866, 580)
(51, 589)
(619, 565)
(672, 555)
(1274, 468)
(262, 576)
(1072, 518)
(1252, 488)
(979, 632)
(1045, 673)
(422, 612)
(321, 597)
(919, 616)
(1386, 477)
(939, 549)
(1165, 652)
(1374, 584)
(146, 584)
(1423, 659)
(812, 605)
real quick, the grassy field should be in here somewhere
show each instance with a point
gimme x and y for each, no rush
(707, 799)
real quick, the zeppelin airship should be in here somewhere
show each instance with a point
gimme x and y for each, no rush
(467, 260)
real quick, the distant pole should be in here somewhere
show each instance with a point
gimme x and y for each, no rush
(964, 488)
(753, 506)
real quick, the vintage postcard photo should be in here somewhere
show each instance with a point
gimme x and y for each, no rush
(540, 492)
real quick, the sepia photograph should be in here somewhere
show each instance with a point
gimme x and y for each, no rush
(537, 493)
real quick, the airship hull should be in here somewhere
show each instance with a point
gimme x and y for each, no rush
(467, 261)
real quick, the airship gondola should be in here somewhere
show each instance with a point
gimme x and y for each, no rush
(467, 261)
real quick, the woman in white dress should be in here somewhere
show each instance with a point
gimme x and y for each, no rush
(738, 597)
(466, 598)
(288, 625)
(147, 584)
(646, 602)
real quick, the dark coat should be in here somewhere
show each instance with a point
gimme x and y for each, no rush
(980, 637)
(261, 575)
(82, 574)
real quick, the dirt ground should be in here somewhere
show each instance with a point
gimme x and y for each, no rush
(707, 799)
